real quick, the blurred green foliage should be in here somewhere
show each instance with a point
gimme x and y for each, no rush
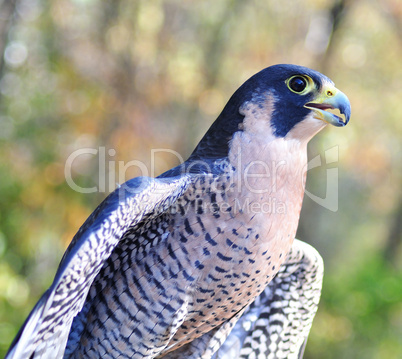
(132, 76)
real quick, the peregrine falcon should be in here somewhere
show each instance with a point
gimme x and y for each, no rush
(202, 261)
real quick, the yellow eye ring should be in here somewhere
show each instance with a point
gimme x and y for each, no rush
(299, 84)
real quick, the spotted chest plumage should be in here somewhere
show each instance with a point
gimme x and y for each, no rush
(195, 266)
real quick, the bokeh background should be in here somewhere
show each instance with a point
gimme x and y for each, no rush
(126, 77)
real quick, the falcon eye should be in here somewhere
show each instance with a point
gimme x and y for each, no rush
(297, 84)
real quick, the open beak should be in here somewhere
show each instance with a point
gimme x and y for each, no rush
(330, 98)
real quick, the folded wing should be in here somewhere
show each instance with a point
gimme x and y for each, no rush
(277, 323)
(45, 332)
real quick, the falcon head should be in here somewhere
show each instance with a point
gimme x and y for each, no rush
(281, 101)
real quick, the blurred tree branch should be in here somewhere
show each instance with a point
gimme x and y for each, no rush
(336, 14)
(213, 54)
(394, 238)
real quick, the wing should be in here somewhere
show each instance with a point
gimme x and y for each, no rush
(277, 323)
(45, 332)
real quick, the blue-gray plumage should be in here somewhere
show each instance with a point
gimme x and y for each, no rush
(200, 262)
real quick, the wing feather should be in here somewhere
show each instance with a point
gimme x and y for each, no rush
(278, 322)
(45, 332)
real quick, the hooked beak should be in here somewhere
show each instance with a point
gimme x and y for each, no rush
(331, 98)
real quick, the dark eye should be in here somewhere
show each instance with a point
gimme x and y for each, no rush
(297, 84)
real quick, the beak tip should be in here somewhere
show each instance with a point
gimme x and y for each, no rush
(346, 110)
